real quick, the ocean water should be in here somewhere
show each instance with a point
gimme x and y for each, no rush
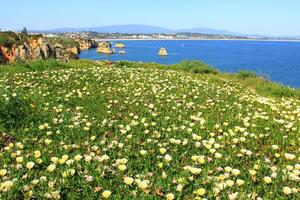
(278, 60)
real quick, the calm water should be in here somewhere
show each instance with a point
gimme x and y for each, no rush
(280, 61)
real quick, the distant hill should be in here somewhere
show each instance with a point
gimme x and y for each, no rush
(139, 29)
(132, 28)
(209, 31)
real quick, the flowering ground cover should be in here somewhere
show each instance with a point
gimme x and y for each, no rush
(144, 133)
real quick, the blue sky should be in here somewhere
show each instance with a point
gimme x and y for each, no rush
(270, 17)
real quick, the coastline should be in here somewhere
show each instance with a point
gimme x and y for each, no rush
(262, 40)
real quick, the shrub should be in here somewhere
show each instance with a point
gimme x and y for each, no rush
(9, 38)
(243, 74)
(196, 67)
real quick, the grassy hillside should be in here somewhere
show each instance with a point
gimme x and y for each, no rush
(85, 130)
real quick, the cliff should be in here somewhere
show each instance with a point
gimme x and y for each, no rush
(85, 44)
(17, 47)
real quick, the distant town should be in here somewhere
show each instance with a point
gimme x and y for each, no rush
(159, 36)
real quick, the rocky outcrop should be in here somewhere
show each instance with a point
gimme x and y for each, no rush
(85, 44)
(105, 48)
(38, 48)
(120, 45)
(162, 52)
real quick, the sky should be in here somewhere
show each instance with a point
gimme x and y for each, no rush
(265, 17)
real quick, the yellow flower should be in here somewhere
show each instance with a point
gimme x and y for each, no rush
(3, 172)
(170, 196)
(229, 183)
(236, 172)
(51, 168)
(128, 180)
(168, 158)
(19, 159)
(240, 182)
(162, 150)
(37, 154)
(289, 156)
(201, 160)
(30, 165)
(143, 152)
(54, 160)
(252, 172)
(287, 190)
(267, 179)
(106, 194)
(200, 192)
(77, 157)
(122, 167)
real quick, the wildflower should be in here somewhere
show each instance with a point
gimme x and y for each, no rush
(37, 154)
(287, 190)
(6, 185)
(78, 157)
(267, 179)
(170, 196)
(143, 152)
(162, 150)
(200, 192)
(51, 168)
(19, 159)
(122, 167)
(168, 158)
(128, 180)
(252, 172)
(3, 172)
(236, 172)
(30, 165)
(240, 182)
(106, 194)
(289, 156)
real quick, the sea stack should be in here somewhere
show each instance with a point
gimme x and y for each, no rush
(162, 52)
(105, 48)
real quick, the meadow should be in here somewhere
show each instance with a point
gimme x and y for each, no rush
(89, 130)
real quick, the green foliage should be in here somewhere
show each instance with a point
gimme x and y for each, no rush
(195, 67)
(15, 113)
(127, 64)
(64, 42)
(41, 65)
(9, 38)
(243, 74)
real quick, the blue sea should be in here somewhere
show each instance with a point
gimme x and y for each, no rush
(277, 60)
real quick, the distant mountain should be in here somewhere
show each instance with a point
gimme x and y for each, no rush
(209, 31)
(132, 28)
(146, 29)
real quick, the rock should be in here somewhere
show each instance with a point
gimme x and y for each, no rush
(122, 52)
(38, 47)
(162, 52)
(105, 48)
(85, 44)
(120, 45)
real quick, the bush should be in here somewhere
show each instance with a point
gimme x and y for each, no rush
(9, 38)
(243, 74)
(196, 67)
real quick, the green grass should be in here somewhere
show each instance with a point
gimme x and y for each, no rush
(176, 131)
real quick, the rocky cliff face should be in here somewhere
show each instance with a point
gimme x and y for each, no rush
(41, 48)
(85, 44)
